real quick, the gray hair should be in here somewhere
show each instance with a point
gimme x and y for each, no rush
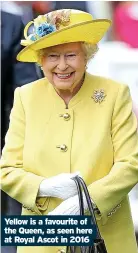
(89, 50)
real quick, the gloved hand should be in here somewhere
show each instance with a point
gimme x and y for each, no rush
(69, 207)
(60, 186)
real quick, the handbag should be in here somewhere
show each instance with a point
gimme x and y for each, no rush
(98, 245)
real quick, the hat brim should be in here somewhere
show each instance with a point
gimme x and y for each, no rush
(90, 32)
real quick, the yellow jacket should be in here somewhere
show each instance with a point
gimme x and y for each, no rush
(101, 141)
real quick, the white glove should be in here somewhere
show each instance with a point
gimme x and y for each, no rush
(69, 207)
(60, 186)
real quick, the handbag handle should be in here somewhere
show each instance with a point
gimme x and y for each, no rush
(80, 183)
(80, 195)
(99, 245)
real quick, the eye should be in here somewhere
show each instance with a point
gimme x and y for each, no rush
(53, 57)
(71, 56)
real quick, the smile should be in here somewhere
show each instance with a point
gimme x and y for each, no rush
(64, 76)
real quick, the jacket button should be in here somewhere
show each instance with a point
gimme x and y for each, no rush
(119, 205)
(66, 116)
(62, 147)
(109, 214)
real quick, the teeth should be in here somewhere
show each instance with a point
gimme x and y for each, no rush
(63, 76)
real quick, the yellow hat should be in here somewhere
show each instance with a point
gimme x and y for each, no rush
(59, 27)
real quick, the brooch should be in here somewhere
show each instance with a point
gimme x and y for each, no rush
(99, 96)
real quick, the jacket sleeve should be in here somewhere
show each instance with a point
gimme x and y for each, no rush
(109, 191)
(15, 180)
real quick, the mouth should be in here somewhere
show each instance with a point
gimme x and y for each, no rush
(64, 76)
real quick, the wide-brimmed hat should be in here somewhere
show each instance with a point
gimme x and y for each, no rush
(59, 27)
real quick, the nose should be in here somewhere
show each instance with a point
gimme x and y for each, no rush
(62, 64)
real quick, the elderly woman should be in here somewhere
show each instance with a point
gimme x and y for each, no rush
(71, 121)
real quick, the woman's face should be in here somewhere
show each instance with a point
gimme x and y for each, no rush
(64, 65)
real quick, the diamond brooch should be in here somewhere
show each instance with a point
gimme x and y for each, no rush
(98, 96)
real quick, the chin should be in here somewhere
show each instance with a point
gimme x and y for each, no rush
(63, 86)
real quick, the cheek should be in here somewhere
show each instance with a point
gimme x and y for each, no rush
(47, 73)
(47, 68)
(80, 66)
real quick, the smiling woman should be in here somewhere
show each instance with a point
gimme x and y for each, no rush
(69, 121)
(64, 66)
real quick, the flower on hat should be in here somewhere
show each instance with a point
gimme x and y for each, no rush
(60, 18)
(44, 29)
(32, 37)
(46, 24)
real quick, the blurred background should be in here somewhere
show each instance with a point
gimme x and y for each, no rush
(117, 57)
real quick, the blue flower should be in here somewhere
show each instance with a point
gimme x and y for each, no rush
(32, 37)
(44, 29)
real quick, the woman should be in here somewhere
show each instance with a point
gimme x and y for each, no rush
(72, 121)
